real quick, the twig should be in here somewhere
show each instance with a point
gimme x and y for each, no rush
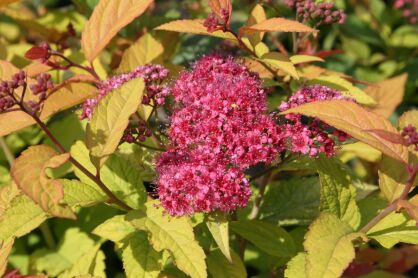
(47, 235)
(413, 171)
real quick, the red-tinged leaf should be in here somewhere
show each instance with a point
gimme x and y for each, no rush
(395, 138)
(28, 172)
(278, 24)
(108, 17)
(326, 53)
(218, 5)
(36, 53)
(353, 119)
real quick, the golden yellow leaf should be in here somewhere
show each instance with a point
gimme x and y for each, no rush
(108, 17)
(278, 24)
(194, 26)
(388, 94)
(256, 66)
(5, 249)
(353, 119)
(28, 171)
(298, 59)
(4, 3)
(280, 62)
(257, 15)
(145, 50)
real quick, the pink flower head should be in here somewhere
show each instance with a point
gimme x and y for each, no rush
(409, 9)
(187, 185)
(153, 76)
(311, 136)
(219, 128)
(222, 112)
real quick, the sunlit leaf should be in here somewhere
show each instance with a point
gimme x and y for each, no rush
(218, 227)
(388, 94)
(77, 193)
(278, 24)
(338, 195)
(28, 171)
(4, 3)
(139, 258)
(108, 17)
(298, 59)
(280, 62)
(257, 15)
(20, 218)
(145, 50)
(110, 118)
(115, 229)
(296, 266)
(172, 234)
(194, 26)
(329, 247)
(354, 120)
(91, 263)
(5, 249)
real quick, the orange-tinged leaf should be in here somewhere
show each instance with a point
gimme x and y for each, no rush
(218, 5)
(257, 15)
(28, 173)
(258, 67)
(356, 121)
(108, 17)
(4, 3)
(388, 94)
(194, 26)
(278, 24)
(35, 68)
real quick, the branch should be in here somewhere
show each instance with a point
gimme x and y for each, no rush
(412, 171)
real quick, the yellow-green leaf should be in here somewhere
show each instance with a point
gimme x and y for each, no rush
(218, 227)
(280, 62)
(329, 247)
(194, 26)
(20, 218)
(91, 263)
(361, 150)
(298, 59)
(346, 88)
(356, 121)
(176, 236)
(257, 15)
(261, 49)
(77, 193)
(28, 171)
(115, 229)
(296, 266)
(108, 17)
(388, 94)
(139, 258)
(5, 249)
(110, 118)
(269, 238)
(145, 50)
(278, 24)
(220, 267)
(395, 228)
(338, 195)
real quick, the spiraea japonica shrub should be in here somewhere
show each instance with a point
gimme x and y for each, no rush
(210, 138)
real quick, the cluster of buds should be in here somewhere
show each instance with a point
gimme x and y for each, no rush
(7, 90)
(310, 135)
(43, 84)
(411, 135)
(409, 9)
(215, 22)
(319, 13)
(137, 133)
(156, 91)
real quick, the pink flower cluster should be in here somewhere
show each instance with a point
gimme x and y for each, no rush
(311, 136)
(411, 135)
(410, 9)
(7, 90)
(153, 76)
(43, 84)
(219, 128)
(320, 13)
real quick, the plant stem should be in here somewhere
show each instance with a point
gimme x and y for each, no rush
(47, 235)
(7, 152)
(413, 171)
(77, 164)
(150, 147)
